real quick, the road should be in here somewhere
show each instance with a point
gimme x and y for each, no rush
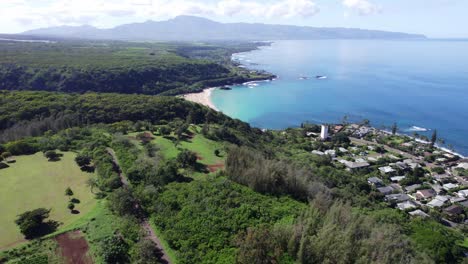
(150, 234)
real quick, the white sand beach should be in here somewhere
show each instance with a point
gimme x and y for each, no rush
(203, 98)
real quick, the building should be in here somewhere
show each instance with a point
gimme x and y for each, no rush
(462, 193)
(375, 181)
(318, 152)
(418, 212)
(438, 201)
(397, 197)
(453, 210)
(412, 188)
(354, 165)
(449, 186)
(397, 178)
(425, 194)
(386, 169)
(406, 205)
(324, 132)
(385, 190)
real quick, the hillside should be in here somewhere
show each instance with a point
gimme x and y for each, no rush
(210, 188)
(190, 28)
(121, 67)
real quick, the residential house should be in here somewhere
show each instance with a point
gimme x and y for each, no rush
(442, 178)
(450, 186)
(418, 212)
(412, 188)
(438, 201)
(354, 165)
(397, 197)
(385, 190)
(406, 205)
(397, 178)
(386, 169)
(463, 193)
(374, 181)
(425, 194)
(454, 210)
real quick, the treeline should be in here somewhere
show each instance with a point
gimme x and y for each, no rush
(278, 177)
(119, 67)
(148, 80)
(337, 235)
(27, 113)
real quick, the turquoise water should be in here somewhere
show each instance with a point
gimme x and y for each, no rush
(421, 85)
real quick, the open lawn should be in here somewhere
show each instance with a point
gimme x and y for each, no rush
(34, 182)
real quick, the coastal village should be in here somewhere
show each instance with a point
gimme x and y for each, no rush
(410, 174)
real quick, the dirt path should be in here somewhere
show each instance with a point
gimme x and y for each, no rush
(150, 234)
(74, 248)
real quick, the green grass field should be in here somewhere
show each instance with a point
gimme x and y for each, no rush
(34, 182)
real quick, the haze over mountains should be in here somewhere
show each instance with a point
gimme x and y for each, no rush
(191, 28)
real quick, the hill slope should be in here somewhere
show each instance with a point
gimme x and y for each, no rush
(189, 28)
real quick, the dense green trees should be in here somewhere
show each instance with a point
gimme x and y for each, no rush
(187, 159)
(118, 67)
(114, 250)
(32, 224)
(200, 219)
(439, 242)
(278, 177)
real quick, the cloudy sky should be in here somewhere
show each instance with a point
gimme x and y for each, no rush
(435, 18)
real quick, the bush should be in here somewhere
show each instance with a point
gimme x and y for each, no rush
(83, 160)
(22, 147)
(114, 250)
(68, 192)
(71, 206)
(51, 155)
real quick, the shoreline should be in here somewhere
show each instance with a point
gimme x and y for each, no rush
(203, 98)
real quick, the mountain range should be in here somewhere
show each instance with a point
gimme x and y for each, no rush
(192, 28)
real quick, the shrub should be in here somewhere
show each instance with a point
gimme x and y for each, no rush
(51, 155)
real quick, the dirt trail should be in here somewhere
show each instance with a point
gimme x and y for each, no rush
(150, 234)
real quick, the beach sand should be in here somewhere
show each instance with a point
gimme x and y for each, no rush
(203, 98)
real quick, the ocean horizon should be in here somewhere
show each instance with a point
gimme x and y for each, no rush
(421, 85)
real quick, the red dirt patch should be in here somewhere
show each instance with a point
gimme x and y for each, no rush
(215, 167)
(74, 248)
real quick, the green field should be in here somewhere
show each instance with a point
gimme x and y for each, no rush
(34, 182)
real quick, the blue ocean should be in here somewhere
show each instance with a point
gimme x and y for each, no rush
(420, 85)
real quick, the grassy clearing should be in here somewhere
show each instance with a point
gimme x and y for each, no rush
(204, 147)
(34, 182)
(99, 223)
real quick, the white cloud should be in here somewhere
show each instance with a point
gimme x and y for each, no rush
(362, 7)
(98, 12)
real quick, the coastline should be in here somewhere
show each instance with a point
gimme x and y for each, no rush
(203, 98)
